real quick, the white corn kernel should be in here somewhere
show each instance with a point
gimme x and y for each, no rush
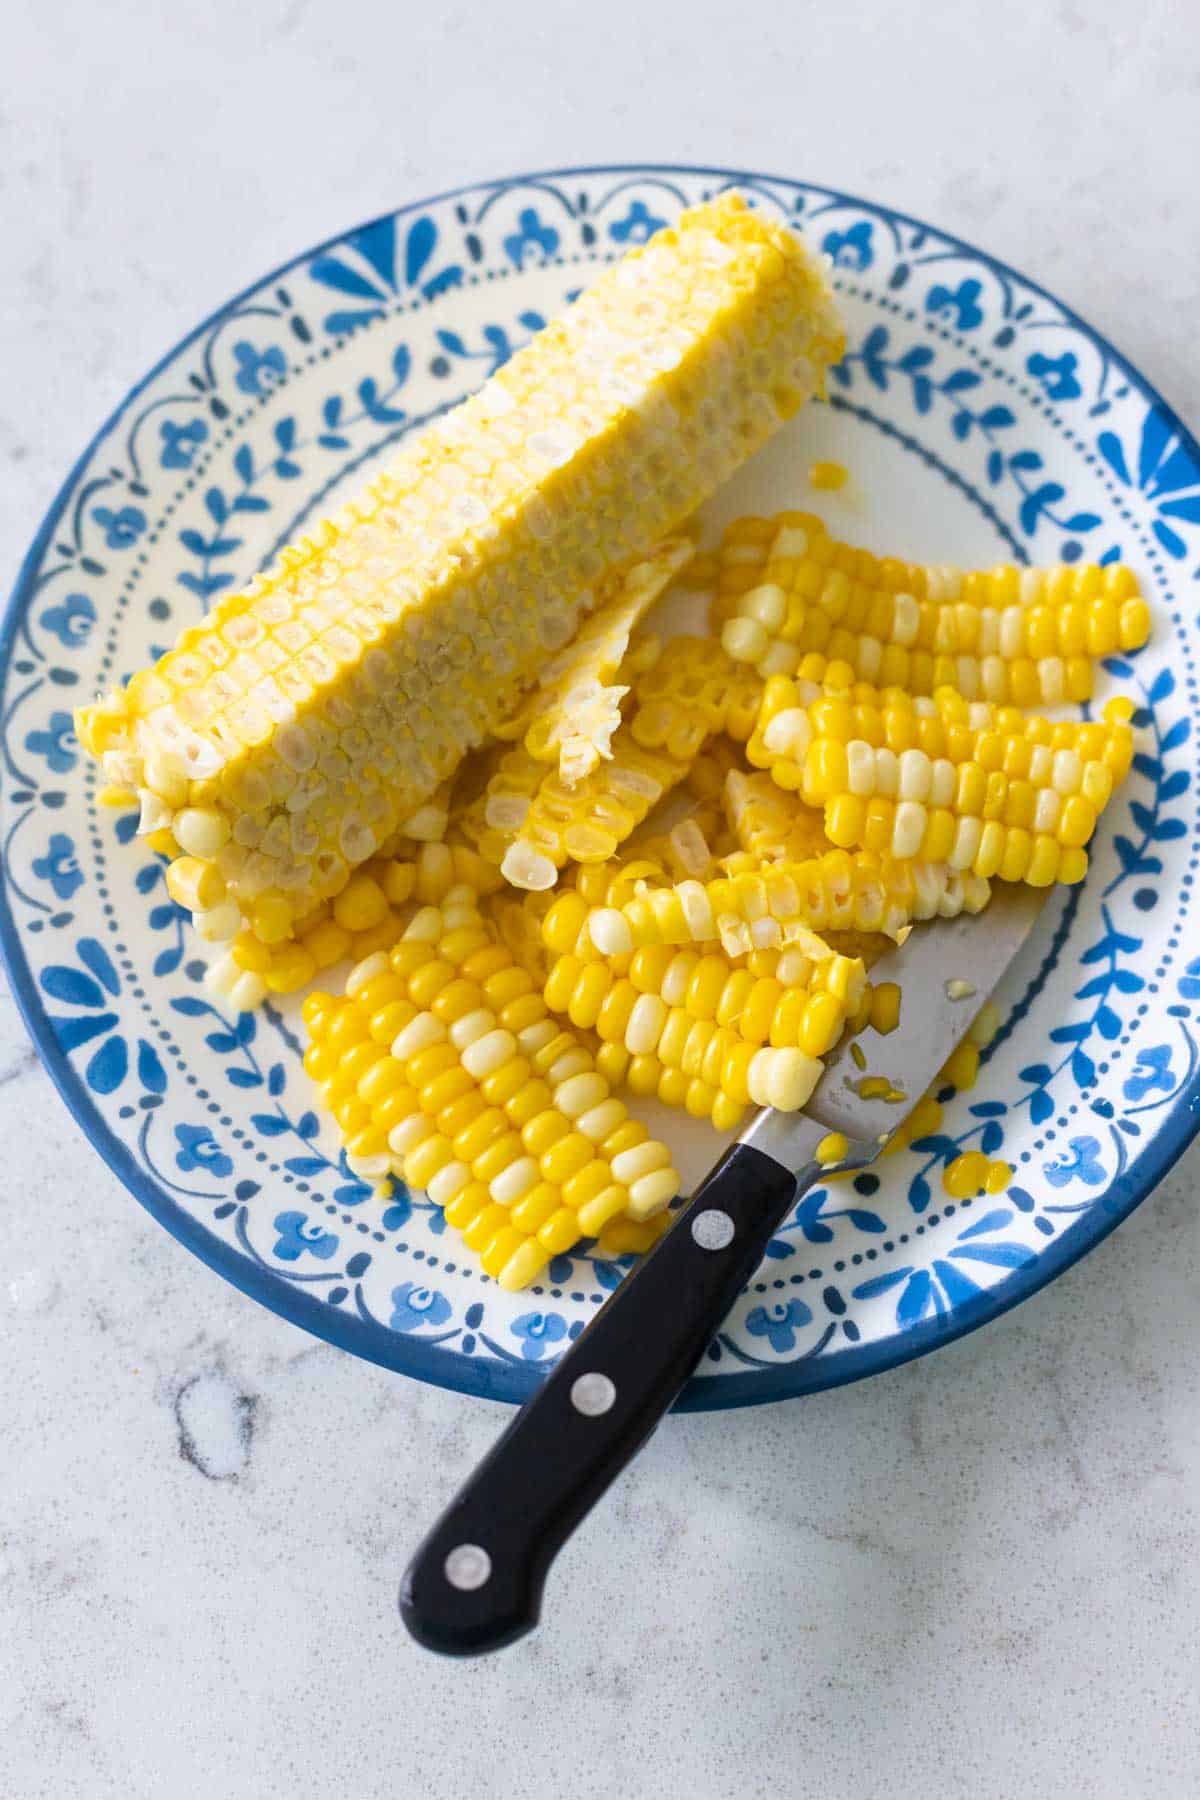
(1068, 771)
(791, 1079)
(512, 1183)
(966, 843)
(697, 910)
(1047, 811)
(916, 775)
(488, 1053)
(471, 1027)
(1052, 675)
(766, 604)
(448, 1182)
(860, 759)
(652, 1193)
(609, 932)
(781, 659)
(218, 924)
(249, 991)
(908, 829)
(409, 1133)
(601, 1121)
(421, 1033)
(906, 620)
(200, 831)
(366, 971)
(645, 1025)
(641, 1159)
(744, 640)
(788, 733)
(943, 782)
(1041, 765)
(580, 1093)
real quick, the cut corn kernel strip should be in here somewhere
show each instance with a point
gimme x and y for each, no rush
(1021, 635)
(441, 1065)
(787, 902)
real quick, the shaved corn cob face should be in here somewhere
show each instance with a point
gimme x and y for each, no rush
(298, 728)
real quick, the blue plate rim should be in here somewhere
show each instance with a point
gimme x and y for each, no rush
(449, 1369)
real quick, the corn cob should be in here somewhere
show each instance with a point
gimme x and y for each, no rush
(285, 739)
(787, 902)
(441, 1064)
(570, 717)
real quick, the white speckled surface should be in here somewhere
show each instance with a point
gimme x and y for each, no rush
(975, 1576)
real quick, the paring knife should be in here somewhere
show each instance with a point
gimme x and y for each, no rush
(476, 1582)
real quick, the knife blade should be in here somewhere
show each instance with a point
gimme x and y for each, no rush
(475, 1584)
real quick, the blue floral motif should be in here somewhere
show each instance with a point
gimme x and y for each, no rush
(1166, 473)
(961, 304)
(1189, 981)
(296, 1236)
(91, 989)
(1152, 1073)
(778, 1324)
(181, 442)
(638, 224)
(530, 235)
(538, 1331)
(71, 620)
(391, 267)
(1056, 374)
(850, 249)
(1080, 1162)
(59, 866)
(199, 1149)
(121, 529)
(258, 371)
(58, 743)
(414, 1307)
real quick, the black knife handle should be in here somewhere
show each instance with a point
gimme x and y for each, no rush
(476, 1582)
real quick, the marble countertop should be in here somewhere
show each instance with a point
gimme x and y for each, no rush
(974, 1575)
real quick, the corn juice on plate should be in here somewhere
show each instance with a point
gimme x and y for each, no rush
(566, 894)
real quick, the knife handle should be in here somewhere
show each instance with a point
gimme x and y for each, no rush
(476, 1582)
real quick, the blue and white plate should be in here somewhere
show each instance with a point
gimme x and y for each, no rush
(981, 421)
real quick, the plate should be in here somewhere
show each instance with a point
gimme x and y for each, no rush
(981, 421)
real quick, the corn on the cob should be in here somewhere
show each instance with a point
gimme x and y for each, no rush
(284, 741)
(787, 902)
(442, 1064)
(570, 717)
